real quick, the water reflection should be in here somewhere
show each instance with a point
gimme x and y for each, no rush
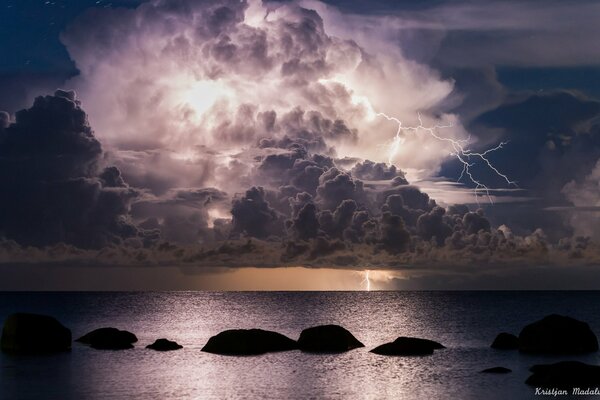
(466, 322)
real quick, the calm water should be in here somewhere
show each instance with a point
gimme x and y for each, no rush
(466, 322)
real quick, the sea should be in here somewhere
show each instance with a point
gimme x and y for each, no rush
(465, 322)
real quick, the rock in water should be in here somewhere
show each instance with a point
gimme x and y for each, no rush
(408, 346)
(557, 334)
(565, 374)
(109, 339)
(327, 339)
(497, 370)
(505, 341)
(164, 345)
(248, 342)
(34, 333)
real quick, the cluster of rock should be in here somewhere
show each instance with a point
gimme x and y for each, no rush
(554, 334)
(32, 333)
(25, 333)
(317, 339)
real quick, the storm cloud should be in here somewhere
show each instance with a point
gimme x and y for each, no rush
(54, 188)
(230, 134)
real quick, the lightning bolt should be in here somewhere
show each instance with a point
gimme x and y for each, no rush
(366, 281)
(459, 150)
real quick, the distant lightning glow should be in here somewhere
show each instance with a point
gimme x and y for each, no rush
(462, 154)
(366, 280)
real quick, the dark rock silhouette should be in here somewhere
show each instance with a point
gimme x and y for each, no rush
(408, 346)
(505, 341)
(109, 339)
(164, 345)
(248, 342)
(564, 374)
(496, 370)
(327, 339)
(556, 334)
(34, 333)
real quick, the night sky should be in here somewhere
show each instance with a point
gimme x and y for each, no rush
(444, 144)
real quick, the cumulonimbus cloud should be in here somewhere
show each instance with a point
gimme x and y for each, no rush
(182, 76)
(240, 134)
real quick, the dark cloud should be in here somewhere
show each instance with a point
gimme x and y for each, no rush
(54, 190)
(336, 186)
(313, 125)
(372, 171)
(552, 138)
(431, 225)
(306, 224)
(343, 214)
(309, 130)
(322, 247)
(474, 222)
(411, 196)
(252, 215)
(296, 168)
(52, 140)
(476, 90)
(545, 133)
(393, 236)
(457, 209)
(355, 233)
(394, 204)
(298, 202)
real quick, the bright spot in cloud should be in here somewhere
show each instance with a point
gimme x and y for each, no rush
(202, 95)
(214, 214)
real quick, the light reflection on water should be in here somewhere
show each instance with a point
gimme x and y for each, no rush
(466, 322)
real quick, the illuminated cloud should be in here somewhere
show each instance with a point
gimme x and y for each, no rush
(226, 74)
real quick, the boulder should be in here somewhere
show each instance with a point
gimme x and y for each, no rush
(408, 346)
(164, 345)
(557, 334)
(34, 333)
(109, 339)
(327, 339)
(505, 341)
(564, 374)
(496, 370)
(248, 342)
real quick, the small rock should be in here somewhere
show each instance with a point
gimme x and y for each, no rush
(497, 370)
(34, 333)
(248, 342)
(557, 334)
(408, 346)
(109, 339)
(505, 341)
(565, 374)
(164, 345)
(327, 339)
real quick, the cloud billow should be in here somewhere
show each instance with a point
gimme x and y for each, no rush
(54, 187)
(248, 138)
